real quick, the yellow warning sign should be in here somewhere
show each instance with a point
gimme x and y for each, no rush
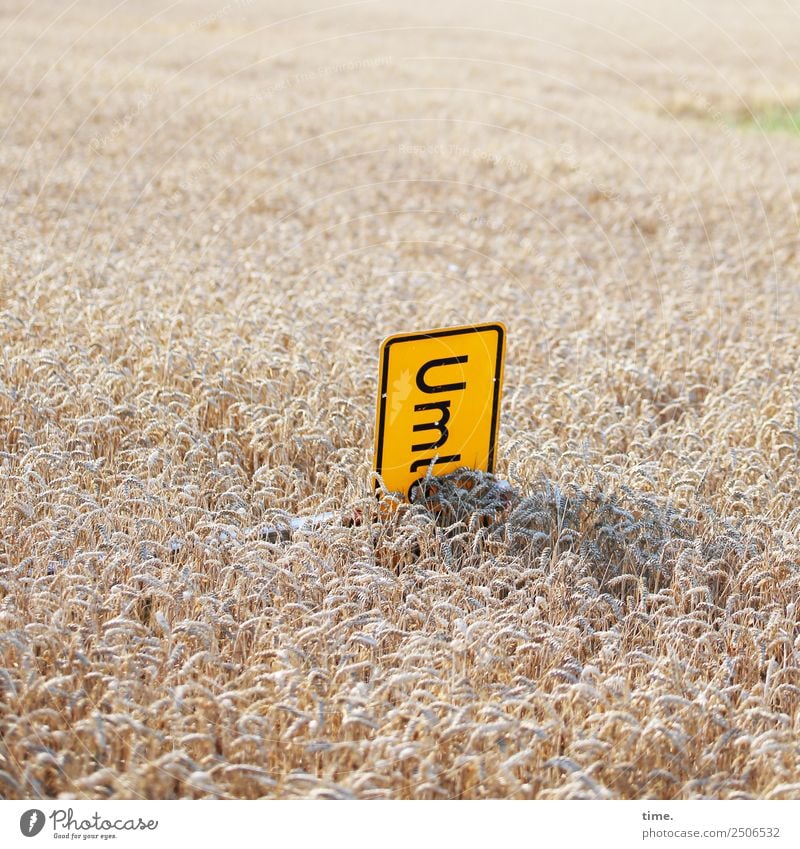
(438, 402)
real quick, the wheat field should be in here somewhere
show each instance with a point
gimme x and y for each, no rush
(212, 214)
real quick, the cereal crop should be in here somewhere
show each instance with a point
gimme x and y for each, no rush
(212, 213)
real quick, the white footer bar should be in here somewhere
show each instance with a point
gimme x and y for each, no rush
(450, 825)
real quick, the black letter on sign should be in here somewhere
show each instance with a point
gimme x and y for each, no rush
(441, 425)
(445, 387)
(423, 464)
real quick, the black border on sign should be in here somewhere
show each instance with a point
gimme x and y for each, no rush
(436, 334)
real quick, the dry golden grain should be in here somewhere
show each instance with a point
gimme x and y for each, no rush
(210, 219)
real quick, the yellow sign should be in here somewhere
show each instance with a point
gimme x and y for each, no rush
(438, 403)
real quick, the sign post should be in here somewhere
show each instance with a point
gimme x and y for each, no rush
(438, 403)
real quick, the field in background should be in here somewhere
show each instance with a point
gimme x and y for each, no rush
(212, 214)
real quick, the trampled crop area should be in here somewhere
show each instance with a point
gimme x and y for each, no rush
(212, 214)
